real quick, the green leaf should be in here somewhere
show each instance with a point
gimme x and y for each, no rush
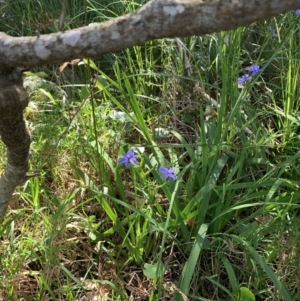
(266, 268)
(245, 294)
(151, 270)
(189, 268)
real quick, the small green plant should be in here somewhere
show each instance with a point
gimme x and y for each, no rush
(170, 171)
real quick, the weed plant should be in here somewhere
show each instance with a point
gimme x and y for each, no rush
(170, 173)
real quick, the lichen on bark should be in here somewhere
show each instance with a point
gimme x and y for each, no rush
(14, 134)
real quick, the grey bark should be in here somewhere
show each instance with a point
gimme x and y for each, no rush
(14, 134)
(157, 19)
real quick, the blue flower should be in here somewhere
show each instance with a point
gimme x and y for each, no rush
(297, 12)
(167, 173)
(253, 69)
(128, 158)
(242, 79)
(273, 32)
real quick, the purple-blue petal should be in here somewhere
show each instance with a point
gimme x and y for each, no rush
(130, 153)
(165, 176)
(241, 80)
(133, 160)
(167, 173)
(253, 69)
(128, 158)
(171, 170)
(163, 169)
(274, 34)
(122, 160)
(172, 176)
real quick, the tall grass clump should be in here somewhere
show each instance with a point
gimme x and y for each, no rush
(168, 171)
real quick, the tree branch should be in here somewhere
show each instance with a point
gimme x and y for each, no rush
(157, 19)
(14, 134)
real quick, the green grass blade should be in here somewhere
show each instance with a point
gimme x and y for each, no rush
(189, 268)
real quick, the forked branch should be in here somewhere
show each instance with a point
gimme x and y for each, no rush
(157, 19)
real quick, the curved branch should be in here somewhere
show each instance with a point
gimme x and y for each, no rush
(157, 19)
(14, 134)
